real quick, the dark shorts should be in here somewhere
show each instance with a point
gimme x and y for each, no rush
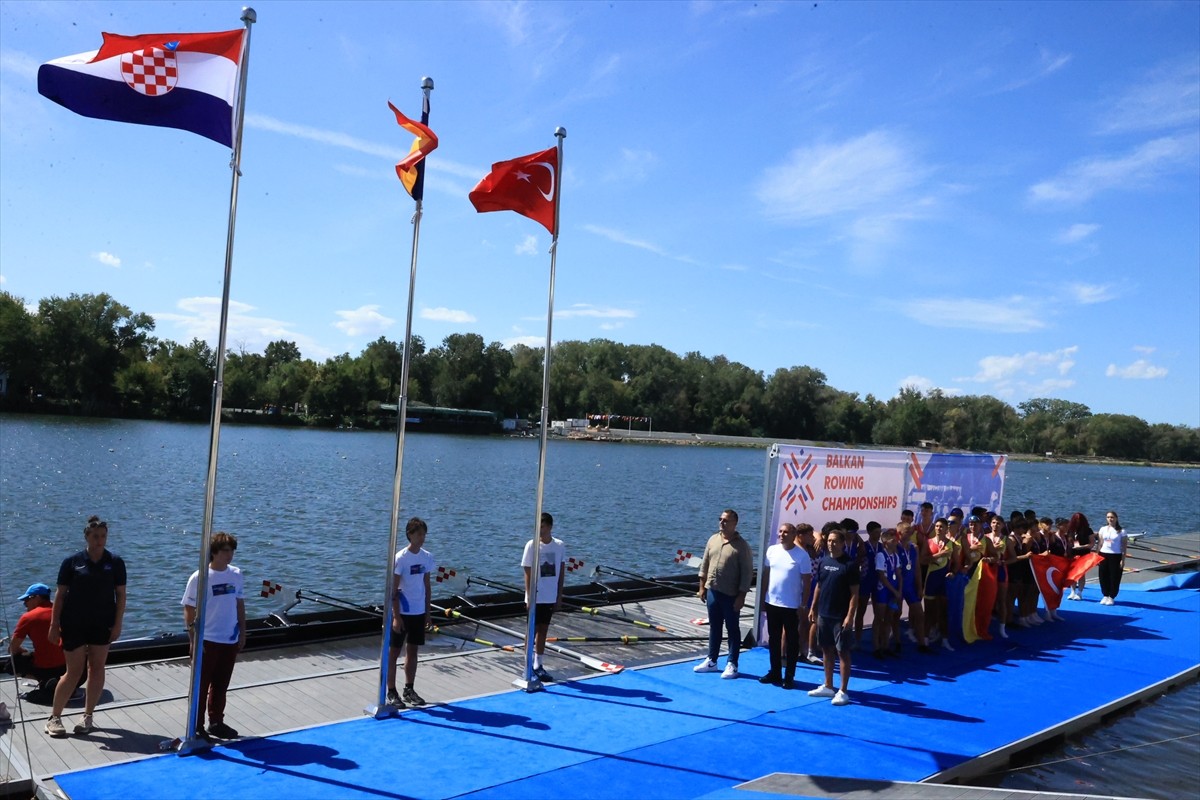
(543, 614)
(935, 585)
(831, 633)
(81, 635)
(413, 633)
(909, 590)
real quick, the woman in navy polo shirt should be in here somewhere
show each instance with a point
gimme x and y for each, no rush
(88, 609)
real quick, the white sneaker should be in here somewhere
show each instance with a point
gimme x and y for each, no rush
(85, 725)
(55, 727)
(707, 665)
(822, 691)
(813, 658)
(1003, 632)
(1107, 601)
(912, 637)
(841, 699)
(730, 671)
(946, 645)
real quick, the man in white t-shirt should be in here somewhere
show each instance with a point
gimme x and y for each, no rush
(786, 572)
(410, 612)
(552, 556)
(224, 631)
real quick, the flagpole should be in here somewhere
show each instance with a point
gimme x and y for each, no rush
(530, 682)
(189, 742)
(380, 708)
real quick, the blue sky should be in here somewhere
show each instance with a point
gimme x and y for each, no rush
(988, 198)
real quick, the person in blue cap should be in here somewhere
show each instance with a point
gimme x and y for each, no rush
(46, 664)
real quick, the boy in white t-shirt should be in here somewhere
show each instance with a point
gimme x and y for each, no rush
(410, 612)
(552, 555)
(224, 631)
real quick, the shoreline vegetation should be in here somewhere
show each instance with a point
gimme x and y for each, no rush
(88, 355)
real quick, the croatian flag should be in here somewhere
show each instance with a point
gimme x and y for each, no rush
(174, 80)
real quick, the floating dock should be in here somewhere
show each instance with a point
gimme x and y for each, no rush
(657, 730)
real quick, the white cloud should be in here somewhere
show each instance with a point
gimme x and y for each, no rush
(20, 64)
(633, 166)
(641, 244)
(1085, 179)
(1077, 233)
(588, 310)
(364, 321)
(849, 177)
(1029, 374)
(994, 369)
(528, 341)
(514, 19)
(434, 165)
(1047, 64)
(201, 318)
(1138, 370)
(925, 386)
(983, 315)
(528, 247)
(107, 259)
(1089, 294)
(442, 314)
(1166, 97)
(1143, 349)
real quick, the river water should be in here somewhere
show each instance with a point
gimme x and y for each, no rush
(310, 509)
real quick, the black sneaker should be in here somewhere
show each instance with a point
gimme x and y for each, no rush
(412, 698)
(222, 731)
(542, 675)
(774, 680)
(393, 699)
(789, 683)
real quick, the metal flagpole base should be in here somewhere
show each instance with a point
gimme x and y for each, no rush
(185, 747)
(382, 712)
(532, 685)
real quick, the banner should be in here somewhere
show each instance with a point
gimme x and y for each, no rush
(819, 484)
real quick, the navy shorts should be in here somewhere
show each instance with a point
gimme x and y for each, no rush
(831, 633)
(81, 635)
(413, 633)
(543, 614)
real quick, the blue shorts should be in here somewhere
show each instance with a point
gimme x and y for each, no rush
(909, 590)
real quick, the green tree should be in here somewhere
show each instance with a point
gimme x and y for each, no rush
(18, 347)
(84, 341)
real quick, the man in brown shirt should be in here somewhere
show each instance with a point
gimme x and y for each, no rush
(725, 574)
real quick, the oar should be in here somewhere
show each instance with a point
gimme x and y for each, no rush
(595, 612)
(587, 661)
(442, 631)
(1164, 551)
(336, 602)
(620, 573)
(626, 639)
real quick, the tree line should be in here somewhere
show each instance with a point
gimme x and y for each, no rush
(89, 354)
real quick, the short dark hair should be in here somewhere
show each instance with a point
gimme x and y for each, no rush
(850, 525)
(415, 524)
(928, 505)
(220, 541)
(547, 519)
(873, 526)
(731, 513)
(803, 528)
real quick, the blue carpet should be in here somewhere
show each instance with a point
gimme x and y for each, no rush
(668, 733)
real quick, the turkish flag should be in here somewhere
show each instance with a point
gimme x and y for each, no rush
(1050, 575)
(527, 185)
(1081, 564)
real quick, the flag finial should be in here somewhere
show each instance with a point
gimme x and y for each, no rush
(427, 82)
(249, 15)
